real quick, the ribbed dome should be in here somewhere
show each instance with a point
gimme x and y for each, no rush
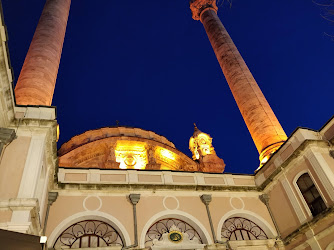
(102, 133)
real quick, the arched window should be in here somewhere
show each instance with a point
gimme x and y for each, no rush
(311, 194)
(238, 228)
(163, 226)
(88, 233)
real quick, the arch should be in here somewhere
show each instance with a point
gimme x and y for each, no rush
(300, 195)
(89, 233)
(191, 220)
(330, 246)
(268, 229)
(96, 215)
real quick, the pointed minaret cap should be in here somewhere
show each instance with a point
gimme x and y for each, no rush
(196, 131)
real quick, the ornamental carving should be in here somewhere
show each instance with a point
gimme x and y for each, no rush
(131, 154)
(175, 237)
(200, 144)
(167, 158)
(160, 233)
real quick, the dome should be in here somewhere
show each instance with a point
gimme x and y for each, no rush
(123, 148)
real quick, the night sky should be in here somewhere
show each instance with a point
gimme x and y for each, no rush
(148, 64)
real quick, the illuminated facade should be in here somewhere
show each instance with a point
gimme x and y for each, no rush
(129, 188)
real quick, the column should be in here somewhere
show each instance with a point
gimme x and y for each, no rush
(266, 131)
(37, 79)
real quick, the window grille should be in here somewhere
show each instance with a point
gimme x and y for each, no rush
(88, 233)
(311, 194)
(238, 228)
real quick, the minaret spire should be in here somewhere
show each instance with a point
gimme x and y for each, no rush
(37, 79)
(266, 131)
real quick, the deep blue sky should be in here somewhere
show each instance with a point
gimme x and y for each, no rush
(148, 64)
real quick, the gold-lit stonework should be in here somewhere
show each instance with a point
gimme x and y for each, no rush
(168, 159)
(201, 144)
(166, 154)
(58, 132)
(135, 148)
(131, 154)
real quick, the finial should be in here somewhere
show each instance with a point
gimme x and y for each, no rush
(117, 123)
(196, 130)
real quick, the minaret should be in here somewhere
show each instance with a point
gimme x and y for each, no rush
(37, 79)
(266, 131)
(200, 144)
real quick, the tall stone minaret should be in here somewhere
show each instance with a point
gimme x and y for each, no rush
(37, 79)
(266, 131)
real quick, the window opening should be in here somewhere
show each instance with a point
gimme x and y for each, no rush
(311, 194)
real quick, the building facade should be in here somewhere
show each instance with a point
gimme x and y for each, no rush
(129, 188)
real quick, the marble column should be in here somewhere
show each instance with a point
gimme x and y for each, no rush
(266, 131)
(37, 79)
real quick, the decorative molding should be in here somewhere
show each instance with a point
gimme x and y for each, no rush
(173, 197)
(237, 198)
(167, 178)
(90, 196)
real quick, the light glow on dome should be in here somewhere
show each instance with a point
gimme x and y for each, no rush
(167, 154)
(131, 155)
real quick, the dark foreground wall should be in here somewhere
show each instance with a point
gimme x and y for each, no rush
(18, 241)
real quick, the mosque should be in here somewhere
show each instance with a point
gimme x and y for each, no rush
(128, 188)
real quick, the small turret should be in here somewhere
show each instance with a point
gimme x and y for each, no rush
(200, 144)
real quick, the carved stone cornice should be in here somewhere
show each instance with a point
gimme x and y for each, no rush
(198, 6)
